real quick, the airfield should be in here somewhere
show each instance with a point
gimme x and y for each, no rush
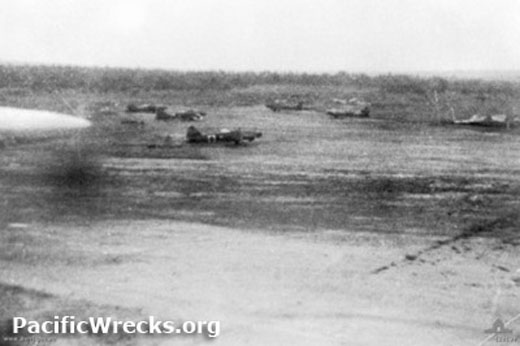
(381, 230)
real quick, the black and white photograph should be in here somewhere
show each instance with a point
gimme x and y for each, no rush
(264, 173)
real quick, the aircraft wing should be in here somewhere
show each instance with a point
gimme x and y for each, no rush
(28, 120)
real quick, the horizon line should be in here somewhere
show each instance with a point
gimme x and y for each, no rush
(421, 72)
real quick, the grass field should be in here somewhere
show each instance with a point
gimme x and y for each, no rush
(401, 172)
(401, 166)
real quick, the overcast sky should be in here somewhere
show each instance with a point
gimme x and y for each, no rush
(286, 35)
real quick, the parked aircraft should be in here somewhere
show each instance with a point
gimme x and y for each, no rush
(497, 120)
(235, 136)
(143, 108)
(188, 115)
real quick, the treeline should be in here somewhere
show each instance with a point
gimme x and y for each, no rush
(49, 78)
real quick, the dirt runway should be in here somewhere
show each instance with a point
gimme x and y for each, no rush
(324, 232)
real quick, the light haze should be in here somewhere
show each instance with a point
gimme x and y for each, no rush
(290, 35)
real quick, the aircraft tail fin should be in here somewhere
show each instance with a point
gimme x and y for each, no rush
(193, 134)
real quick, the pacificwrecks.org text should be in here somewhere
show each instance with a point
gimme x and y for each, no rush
(108, 325)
